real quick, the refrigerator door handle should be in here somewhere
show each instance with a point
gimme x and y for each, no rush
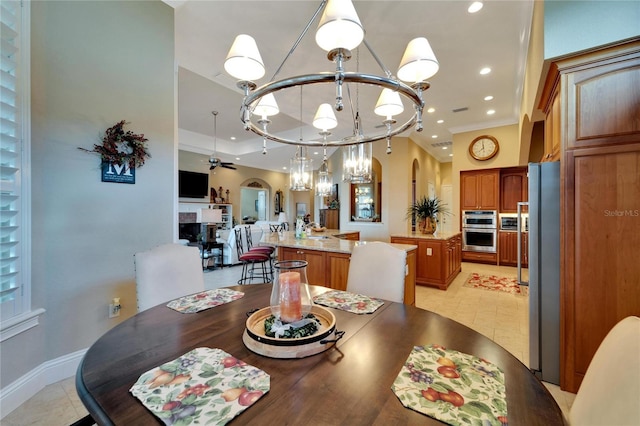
(520, 227)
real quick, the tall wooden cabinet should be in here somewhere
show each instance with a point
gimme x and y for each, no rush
(592, 111)
(330, 218)
(479, 189)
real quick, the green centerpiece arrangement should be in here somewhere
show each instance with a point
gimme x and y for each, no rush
(426, 211)
(308, 326)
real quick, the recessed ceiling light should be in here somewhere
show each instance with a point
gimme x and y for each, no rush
(233, 138)
(434, 136)
(450, 155)
(491, 112)
(485, 71)
(284, 168)
(237, 158)
(440, 121)
(431, 110)
(315, 152)
(475, 6)
(488, 98)
(444, 147)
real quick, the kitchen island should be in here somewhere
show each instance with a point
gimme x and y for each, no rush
(328, 255)
(439, 256)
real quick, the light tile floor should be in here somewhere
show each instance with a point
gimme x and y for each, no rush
(500, 316)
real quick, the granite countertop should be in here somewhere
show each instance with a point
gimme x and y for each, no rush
(317, 241)
(439, 235)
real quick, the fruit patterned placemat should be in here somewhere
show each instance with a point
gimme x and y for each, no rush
(350, 302)
(203, 386)
(204, 300)
(453, 387)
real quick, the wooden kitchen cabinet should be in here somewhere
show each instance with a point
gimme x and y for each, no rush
(438, 261)
(316, 262)
(338, 266)
(479, 189)
(514, 188)
(552, 127)
(508, 248)
(592, 109)
(330, 218)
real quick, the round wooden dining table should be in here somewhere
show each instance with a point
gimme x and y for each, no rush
(348, 384)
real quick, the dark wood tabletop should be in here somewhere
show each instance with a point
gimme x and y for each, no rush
(349, 384)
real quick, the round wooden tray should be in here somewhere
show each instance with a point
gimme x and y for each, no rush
(255, 339)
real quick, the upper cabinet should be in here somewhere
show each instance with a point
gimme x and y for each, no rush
(513, 189)
(552, 126)
(479, 189)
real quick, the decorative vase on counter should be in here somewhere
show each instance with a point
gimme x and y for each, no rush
(428, 225)
(290, 297)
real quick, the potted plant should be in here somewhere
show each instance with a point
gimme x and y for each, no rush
(426, 212)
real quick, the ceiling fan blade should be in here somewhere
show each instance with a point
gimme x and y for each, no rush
(226, 166)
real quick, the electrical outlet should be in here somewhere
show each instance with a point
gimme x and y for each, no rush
(113, 311)
(114, 308)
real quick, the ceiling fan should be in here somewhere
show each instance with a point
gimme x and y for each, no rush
(214, 160)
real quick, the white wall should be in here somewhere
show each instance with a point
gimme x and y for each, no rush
(572, 26)
(93, 64)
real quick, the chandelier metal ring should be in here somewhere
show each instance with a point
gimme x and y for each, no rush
(254, 97)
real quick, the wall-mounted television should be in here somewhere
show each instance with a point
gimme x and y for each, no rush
(193, 184)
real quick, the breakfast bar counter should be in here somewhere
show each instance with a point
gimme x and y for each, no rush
(328, 255)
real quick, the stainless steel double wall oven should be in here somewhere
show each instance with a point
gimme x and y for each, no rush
(480, 230)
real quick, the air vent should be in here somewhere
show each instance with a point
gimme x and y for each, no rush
(441, 144)
(460, 109)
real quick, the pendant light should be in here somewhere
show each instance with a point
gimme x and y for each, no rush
(301, 171)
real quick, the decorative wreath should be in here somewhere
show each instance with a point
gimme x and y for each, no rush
(119, 147)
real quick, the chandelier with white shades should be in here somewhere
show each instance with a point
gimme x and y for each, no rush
(339, 32)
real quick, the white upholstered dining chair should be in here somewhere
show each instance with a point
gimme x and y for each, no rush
(377, 269)
(610, 391)
(167, 272)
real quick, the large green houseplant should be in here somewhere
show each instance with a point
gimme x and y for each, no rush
(426, 211)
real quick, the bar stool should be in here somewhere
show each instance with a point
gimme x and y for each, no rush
(249, 261)
(268, 250)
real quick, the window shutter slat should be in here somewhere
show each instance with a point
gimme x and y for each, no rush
(11, 226)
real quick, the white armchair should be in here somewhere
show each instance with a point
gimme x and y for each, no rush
(167, 272)
(377, 269)
(610, 391)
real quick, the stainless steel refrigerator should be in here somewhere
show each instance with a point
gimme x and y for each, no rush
(544, 270)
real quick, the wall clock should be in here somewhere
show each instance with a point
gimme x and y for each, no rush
(484, 147)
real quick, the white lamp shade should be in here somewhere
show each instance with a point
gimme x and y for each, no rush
(282, 217)
(209, 216)
(325, 118)
(267, 106)
(339, 26)
(389, 103)
(418, 63)
(243, 60)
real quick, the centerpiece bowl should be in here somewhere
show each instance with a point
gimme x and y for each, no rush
(256, 340)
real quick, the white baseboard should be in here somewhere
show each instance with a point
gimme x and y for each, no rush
(52, 371)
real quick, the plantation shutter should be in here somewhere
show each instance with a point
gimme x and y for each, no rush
(13, 155)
